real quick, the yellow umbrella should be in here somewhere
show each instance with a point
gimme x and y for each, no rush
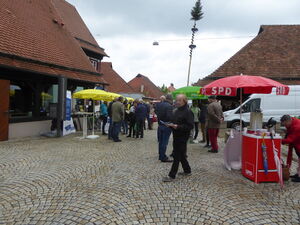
(113, 95)
(94, 94)
(130, 99)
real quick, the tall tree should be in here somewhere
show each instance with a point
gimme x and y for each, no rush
(197, 15)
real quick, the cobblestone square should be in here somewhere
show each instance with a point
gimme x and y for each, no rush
(72, 181)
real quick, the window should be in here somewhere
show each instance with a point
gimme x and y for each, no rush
(251, 106)
(20, 101)
(94, 63)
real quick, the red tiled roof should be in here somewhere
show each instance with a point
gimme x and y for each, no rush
(150, 89)
(32, 37)
(273, 53)
(116, 82)
(74, 23)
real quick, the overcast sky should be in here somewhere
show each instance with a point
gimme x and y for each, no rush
(126, 30)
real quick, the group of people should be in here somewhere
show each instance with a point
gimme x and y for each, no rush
(124, 116)
(180, 119)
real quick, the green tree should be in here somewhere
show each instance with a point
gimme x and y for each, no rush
(164, 89)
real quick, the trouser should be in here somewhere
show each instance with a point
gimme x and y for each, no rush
(203, 131)
(140, 128)
(180, 148)
(213, 137)
(116, 127)
(131, 128)
(207, 136)
(104, 121)
(110, 129)
(125, 126)
(196, 127)
(298, 169)
(163, 133)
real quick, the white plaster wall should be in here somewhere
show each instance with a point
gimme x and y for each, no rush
(28, 129)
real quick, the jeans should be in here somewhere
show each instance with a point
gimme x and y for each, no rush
(163, 134)
(180, 147)
(213, 137)
(116, 127)
(125, 126)
(104, 121)
(140, 128)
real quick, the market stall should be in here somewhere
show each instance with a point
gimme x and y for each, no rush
(257, 147)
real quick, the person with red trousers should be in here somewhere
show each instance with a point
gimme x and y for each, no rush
(214, 119)
(292, 139)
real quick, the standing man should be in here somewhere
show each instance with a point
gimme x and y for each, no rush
(182, 124)
(215, 118)
(109, 111)
(117, 110)
(202, 120)
(196, 111)
(140, 116)
(292, 139)
(164, 112)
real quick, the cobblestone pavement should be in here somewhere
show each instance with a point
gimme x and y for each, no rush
(73, 181)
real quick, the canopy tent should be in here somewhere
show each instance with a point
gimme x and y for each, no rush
(191, 92)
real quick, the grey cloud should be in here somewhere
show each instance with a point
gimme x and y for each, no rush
(135, 17)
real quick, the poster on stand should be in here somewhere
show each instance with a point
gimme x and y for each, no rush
(68, 126)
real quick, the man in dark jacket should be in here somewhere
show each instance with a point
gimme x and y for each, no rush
(140, 116)
(164, 112)
(182, 124)
(110, 118)
(292, 139)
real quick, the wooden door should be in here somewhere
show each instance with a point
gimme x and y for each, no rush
(4, 109)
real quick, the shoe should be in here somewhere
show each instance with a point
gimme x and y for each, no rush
(295, 176)
(212, 151)
(184, 174)
(203, 141)
(207, 146)
(296, 179)
(128, 136)
(104, 134)
(195, 141)
(117, 140)
(167, 160)
(168, 179)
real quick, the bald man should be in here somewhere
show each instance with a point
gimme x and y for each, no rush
(182, 124)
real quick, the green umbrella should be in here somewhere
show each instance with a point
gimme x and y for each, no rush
(191, 92)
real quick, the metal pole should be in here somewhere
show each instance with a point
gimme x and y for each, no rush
(192, 46)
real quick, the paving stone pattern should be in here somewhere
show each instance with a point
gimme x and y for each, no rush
(72, 181)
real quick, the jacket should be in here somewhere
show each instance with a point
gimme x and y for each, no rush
(103, 109)
(184, 118)
(214, 115)
(140, 112)
(117, 110)
(293, 135)
(164, 111)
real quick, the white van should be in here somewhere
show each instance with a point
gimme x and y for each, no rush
(271, 105)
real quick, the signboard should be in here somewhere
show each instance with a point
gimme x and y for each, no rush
(68, 125)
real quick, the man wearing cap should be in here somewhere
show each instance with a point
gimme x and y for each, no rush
(292, 139)
(214, 119)
(164, 112)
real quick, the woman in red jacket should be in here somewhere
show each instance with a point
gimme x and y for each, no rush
(292, 138)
